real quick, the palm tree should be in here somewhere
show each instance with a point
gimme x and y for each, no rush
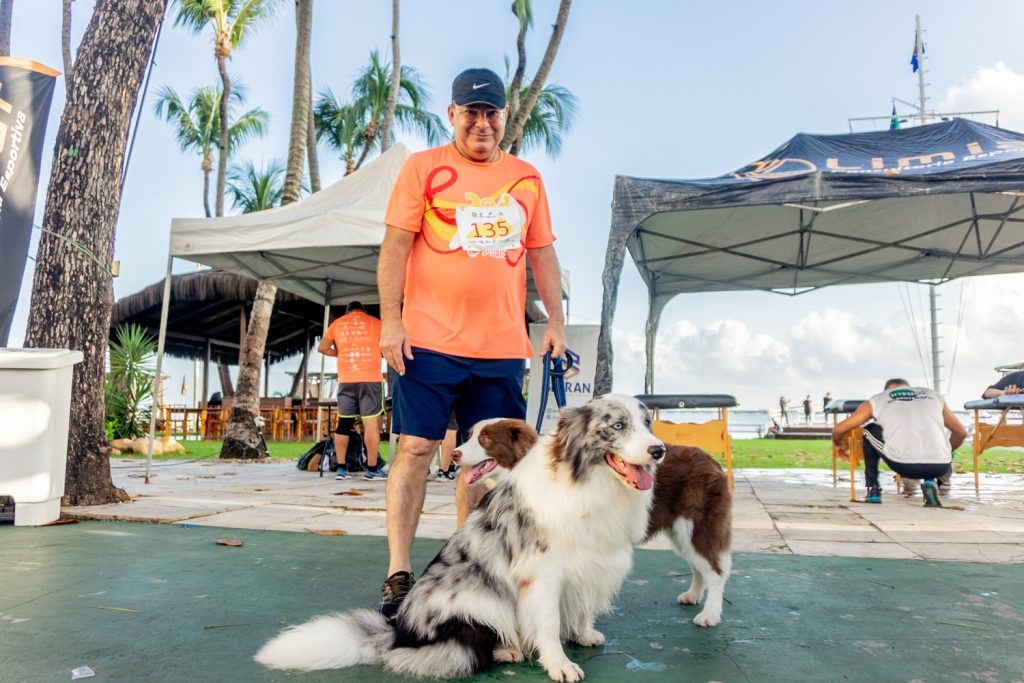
(256, 189)
(72, 295)
(336, 124)
(337, 121)
(549, 122)
(231, 21)
(197, 124)
(370, 101)
(517, 120)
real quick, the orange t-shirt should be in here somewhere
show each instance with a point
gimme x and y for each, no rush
(356, 336)
(465, 282)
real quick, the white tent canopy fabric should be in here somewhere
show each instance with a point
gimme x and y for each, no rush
(333, 236)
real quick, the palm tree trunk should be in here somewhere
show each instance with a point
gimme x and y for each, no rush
(222, 161)
(243, 434)
(314, 163)
(206, 192)
(515, 127)
(72, 294)
(65, 41)
(517, 79)
(6, 10)
(396, 81)
(242, 439)
(301, 97)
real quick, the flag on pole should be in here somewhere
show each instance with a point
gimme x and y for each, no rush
(914, 63)
(894, 121)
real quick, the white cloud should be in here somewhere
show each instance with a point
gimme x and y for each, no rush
(989, 87)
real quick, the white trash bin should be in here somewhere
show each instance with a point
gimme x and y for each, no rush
(35, 409)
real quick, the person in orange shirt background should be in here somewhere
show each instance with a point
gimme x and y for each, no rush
(460, 221)
(354, 339)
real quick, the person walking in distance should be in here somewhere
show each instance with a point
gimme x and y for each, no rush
(461, 222)
(354, 339)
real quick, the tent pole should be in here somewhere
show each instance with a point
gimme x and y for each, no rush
(206, 374)
(320, 387)
(305, 370)
(161, 338)
(655, 305)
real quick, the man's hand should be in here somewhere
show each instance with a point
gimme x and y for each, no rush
(554, 339)
(841, 450)
(395, 345)
(1012, 389)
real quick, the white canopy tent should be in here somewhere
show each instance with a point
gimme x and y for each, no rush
(323, 248)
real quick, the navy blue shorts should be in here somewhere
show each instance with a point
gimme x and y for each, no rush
(435, 385)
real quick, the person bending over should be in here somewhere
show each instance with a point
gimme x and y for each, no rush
(909, 434)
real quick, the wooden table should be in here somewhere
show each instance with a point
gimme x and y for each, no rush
(1000, 434)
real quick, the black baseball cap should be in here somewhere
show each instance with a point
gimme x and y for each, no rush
(478, 86)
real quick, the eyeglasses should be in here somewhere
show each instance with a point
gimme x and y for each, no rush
(473, 115)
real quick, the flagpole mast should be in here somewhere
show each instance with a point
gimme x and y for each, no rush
(932, 291)
(919, 51)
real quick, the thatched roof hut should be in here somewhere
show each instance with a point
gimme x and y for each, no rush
(210, 307)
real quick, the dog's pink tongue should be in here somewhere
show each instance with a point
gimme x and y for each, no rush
(479, 471)
(639, 477)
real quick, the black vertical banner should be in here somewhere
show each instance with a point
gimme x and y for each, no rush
(26, 89)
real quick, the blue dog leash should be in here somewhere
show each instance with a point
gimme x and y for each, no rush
(554, 378)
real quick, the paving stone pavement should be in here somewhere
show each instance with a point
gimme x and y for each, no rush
(796, 511)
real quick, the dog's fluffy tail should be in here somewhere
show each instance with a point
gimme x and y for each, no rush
(335, 641)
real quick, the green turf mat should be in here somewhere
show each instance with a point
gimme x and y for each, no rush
(139, 602)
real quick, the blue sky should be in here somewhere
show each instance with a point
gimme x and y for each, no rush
(666, 89)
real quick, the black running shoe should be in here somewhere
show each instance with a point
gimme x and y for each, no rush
(393, 592)
(874, 495)
(931, 494)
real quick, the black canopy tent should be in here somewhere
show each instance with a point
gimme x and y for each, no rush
(927, 205)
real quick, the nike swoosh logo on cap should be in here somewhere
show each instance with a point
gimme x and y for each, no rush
(477, 86)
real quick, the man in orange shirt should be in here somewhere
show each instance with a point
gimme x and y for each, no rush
(460, 220)
(354, 339)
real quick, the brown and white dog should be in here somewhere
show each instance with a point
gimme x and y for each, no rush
(692, 503)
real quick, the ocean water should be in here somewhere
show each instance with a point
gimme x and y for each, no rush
(753, 424)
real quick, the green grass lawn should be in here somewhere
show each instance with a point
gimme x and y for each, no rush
(763, 453)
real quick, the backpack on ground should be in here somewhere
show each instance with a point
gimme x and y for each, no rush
(320, 457)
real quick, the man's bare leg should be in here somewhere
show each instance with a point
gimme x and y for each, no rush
(340, 448)
(406, 491)
(371, 437)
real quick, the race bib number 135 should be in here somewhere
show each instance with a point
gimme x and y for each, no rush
(487, 228)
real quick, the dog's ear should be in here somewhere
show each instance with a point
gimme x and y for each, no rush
(571, 441)
(521, 437)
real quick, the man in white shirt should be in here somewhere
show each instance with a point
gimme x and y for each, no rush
(914, 421)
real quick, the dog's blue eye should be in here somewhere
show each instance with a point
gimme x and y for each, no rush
(617, 426)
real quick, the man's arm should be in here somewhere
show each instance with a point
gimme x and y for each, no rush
(327, 347)
(548, 278)
(394, 256)
(859, 417)
(957, 432)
